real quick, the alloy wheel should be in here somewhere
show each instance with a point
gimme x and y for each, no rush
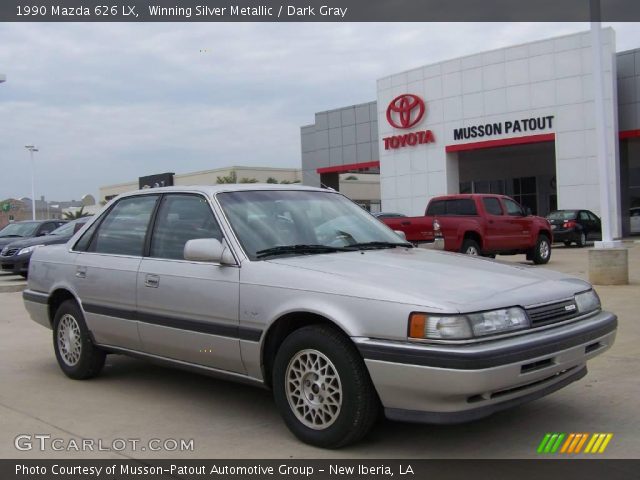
(313, 389)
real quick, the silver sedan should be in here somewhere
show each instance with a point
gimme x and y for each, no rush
(299, 290)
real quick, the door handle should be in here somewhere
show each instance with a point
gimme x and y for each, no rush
(151, 281)
(490, 221)
(405, 223)
(81, 272)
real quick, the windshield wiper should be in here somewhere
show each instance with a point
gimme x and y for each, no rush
(302, 248)
(374, 245)
(11, 236)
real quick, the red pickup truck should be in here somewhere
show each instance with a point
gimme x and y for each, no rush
(479, 224)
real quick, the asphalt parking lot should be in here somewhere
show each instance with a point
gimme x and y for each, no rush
(134, 399)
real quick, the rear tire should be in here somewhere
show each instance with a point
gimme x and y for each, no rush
(470, 247)
(582, 239)
(77, 356)
(542, 251)
(322, 388)
(567, 243)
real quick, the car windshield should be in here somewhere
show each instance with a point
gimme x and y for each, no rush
(22, 229)
(563, 215)
(275, 221)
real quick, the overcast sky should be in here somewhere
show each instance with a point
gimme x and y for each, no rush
(107, 103)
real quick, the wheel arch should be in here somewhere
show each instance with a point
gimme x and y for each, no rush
(472, 235)
(283, 326)
(57, 297)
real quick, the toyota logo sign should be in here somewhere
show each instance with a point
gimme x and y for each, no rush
(405, 111)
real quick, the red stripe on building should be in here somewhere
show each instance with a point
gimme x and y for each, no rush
(504, 142)
(629, 134)
(348, 168)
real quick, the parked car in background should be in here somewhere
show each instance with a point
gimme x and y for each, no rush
(15, 256)
(575, 226)
(479, 224)
(27, 229)
(634, 214)
(300, 290)
(388, 215)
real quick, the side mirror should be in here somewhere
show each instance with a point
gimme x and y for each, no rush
(208, 250)
(527, 211)
(401, 234)
(43, 233)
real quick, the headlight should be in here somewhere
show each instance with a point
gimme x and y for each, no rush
(29, 249)
(587, 301)
(462, 327)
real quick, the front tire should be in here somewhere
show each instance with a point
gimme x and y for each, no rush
(77, 356)
(582, 239)
(542, 251)
(322, 388)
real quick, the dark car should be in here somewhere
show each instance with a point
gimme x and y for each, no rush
(15, 256)
(27, 229)
(575, 226)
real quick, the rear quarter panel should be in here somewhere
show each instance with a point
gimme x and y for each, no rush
(416, 229)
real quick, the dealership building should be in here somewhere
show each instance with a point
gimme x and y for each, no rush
(518, 121)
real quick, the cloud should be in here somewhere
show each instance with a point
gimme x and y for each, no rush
(106, 103)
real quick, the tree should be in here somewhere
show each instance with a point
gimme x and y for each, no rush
(351, 177)
(231, 178)
(271, 180)
(248, 180)
(75, 215)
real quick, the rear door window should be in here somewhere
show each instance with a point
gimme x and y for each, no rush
(124, 229)
(457, 206)
(461, 206)
(436, 208)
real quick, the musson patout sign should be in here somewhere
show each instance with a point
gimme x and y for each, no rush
(406, 111)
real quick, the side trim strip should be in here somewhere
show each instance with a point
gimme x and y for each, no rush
(474, 360)
(35, 297)
(231, 331)
(214, 372)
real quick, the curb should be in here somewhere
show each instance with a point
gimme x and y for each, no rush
(13, 288)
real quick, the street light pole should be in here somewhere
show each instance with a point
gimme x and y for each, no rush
(32, 149)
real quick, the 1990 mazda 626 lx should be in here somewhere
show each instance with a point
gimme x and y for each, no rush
(300, 290)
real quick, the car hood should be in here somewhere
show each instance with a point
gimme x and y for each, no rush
(4, 241)
(443, 280)
(44, 240)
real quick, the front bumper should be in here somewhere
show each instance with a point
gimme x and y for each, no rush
(458, 383)
(15, 263)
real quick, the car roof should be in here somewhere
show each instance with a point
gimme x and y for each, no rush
(456, 196)
(38, 221)
(224, 187)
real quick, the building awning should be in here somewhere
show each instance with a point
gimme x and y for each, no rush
(629, 134)
(503, 142)
(352, 167)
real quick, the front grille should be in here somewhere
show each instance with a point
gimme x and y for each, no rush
(10, 253)
(552, 313)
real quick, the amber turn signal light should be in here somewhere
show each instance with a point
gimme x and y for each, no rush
(417, 322)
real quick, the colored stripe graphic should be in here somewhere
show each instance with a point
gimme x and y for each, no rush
(573, 443)
(598, 443)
